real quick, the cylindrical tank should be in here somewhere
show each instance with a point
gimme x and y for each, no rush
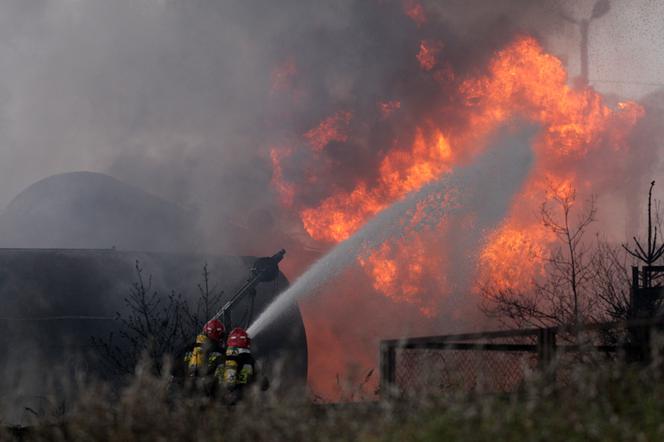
(53, 301)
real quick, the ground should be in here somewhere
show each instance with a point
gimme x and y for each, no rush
(611, 404)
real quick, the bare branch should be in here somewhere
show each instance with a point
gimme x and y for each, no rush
(155, 325)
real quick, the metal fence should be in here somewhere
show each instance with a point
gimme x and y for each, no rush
(500, 361)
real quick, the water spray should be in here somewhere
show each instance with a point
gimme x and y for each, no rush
(490, 181)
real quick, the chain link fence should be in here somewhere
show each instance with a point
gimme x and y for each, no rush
(500, 362)
(465, 370)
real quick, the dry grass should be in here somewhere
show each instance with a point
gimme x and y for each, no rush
(616, 403)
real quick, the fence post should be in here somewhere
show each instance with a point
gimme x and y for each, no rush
(546, 348)
(387, 367)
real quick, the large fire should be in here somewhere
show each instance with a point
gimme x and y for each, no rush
(521, 81)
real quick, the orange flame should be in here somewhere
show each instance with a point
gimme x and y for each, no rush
(399, 271)
(401, 171)
(387, 108)
(428, 55)
(285, 190)
(521, 81)
(333, 128)
(414, 10)
(283, 76)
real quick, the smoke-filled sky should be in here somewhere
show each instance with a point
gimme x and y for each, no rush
(174, 96)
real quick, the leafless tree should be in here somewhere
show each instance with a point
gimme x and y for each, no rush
(564, 295)
(585, 281)
(652, 252)
(154, 325)
(208, 302)
(569, 264)
(611, 281)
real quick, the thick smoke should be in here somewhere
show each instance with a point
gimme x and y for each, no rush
(185, 99)
(175, 97)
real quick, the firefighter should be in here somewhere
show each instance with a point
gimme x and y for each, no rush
(206, 359)
(239, 368)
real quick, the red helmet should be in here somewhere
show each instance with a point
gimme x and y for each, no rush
(238, 338)
(214, 329)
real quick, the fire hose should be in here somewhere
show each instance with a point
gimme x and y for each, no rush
(264, 269)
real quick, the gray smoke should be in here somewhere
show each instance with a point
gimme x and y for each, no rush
(174, 97)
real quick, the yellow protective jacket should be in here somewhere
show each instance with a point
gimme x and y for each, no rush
(205, 362)
(239, 372)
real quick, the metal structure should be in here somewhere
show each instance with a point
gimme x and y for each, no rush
(646, 293)
(265, 269)
(491, 361)
(646, 298)
(500, 361)
(69, 296)
(601, 8)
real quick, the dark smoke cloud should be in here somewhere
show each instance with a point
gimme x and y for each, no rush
(174, 97)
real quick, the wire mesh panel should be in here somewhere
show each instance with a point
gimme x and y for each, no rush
(452, 370)
(499, 362)
(568, 364)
